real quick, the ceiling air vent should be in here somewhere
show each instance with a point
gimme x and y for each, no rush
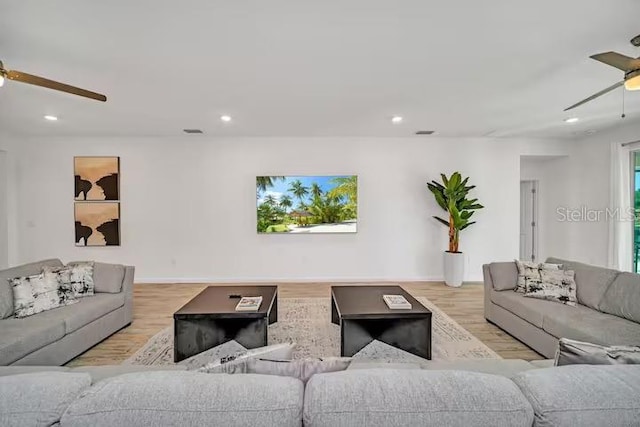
(425, 132)
(192, 131)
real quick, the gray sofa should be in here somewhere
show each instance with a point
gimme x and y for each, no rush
(56, 336)
(578, 395)
(608, 310)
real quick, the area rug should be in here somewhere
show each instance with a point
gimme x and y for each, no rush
(307, 322)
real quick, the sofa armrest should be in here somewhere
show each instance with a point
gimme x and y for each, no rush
(486, 274)
(488, 288)
(127, 288)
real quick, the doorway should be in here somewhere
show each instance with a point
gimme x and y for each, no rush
(529, 220)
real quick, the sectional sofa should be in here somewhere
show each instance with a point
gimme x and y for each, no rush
(56, 336)
(578, 395)
(608, 310)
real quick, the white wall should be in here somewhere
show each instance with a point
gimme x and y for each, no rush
(4, 211)
(8, 232)
(586, 177)
(546, 170)
(188, 205)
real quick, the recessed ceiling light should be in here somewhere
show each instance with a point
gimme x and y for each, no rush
(225, 118)
(396, 119)
(572, 120)
(51, 118)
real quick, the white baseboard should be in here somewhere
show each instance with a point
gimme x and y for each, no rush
(165, 280)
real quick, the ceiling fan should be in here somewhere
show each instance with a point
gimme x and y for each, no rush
(630, 66)
(19, 76)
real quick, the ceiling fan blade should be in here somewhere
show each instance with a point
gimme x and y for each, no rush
(596, 95)
(617, 60)
(40, 81)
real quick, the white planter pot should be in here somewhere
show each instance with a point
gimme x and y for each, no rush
(453, 269)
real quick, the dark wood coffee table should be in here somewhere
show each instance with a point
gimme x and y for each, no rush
(210, 319)
(363, 317)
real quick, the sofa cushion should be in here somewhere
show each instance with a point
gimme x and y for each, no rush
(85, 311)
(504, 367)
(584, 324)
(107, 278)
(531, 310)
(542, 363)
(89, 309)
(38, 399)
(26, 369)
(592, 282)
(622, 299)
(357, 364)
(582, 395)
(19, 337)
(6, 293)
(386, 397)
(189, 399)
(504, 275)
(97, 373)
(103, 372)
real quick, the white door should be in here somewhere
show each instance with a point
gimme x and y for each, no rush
(4, 208)
(528, 221)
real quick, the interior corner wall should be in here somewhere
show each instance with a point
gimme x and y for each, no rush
(584, 179)
(188, 206)
(8, 207)
(549, 174)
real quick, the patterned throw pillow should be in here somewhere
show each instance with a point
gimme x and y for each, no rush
(237, 363)
(225, 352)
(554, 285)
(302, 369)
(38, 293)
(529, 272)
(78, 277)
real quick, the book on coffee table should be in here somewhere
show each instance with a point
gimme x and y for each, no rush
(249, 304)
(396, 302)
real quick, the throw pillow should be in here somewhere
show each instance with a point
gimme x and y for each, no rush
(38, 293)
(225, 352)
(529, 272)
(78, 277)
(572, 352)
(237, 363)
(302, 369)
(554, 285)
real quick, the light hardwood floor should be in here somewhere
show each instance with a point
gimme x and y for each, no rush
(154, 305)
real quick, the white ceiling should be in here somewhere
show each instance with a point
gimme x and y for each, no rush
(316, 68)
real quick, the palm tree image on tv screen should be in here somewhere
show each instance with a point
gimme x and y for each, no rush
(307, 204)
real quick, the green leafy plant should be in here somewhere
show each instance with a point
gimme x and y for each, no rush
(451, 196)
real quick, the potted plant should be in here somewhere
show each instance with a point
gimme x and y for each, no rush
(451, 196)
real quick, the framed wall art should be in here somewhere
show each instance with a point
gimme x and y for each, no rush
(97, 223)
(307, 204)
(97, 178)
